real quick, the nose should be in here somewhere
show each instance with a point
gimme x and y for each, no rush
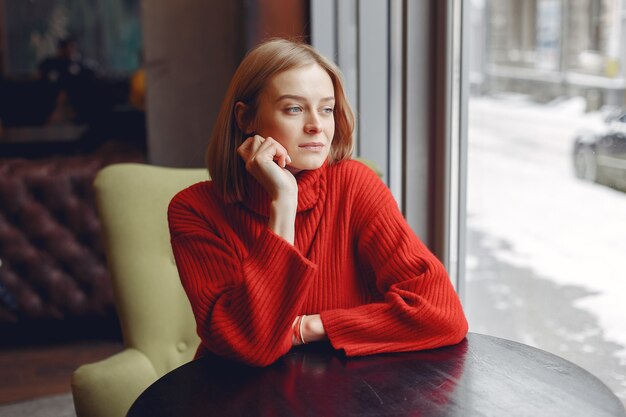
(312, 124)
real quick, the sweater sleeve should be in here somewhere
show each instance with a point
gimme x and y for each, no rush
(244, 302)
(420, 308)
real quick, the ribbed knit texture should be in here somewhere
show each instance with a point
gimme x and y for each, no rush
(355, 261)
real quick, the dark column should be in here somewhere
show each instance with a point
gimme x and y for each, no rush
(191, 50)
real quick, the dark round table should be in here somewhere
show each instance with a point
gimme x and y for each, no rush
(481, 376)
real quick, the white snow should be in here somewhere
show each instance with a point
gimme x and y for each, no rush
(568, 230)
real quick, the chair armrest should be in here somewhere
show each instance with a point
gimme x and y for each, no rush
(108, 388)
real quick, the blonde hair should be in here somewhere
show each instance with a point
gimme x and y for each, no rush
(259, 66)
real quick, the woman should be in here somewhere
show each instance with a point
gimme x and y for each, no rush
(292, 242)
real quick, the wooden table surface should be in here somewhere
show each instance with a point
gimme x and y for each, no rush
(481, 376)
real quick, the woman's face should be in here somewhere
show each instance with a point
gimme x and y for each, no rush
(296, 108)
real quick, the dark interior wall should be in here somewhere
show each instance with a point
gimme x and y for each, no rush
(192, 48)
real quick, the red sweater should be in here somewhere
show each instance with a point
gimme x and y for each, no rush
(355, 261)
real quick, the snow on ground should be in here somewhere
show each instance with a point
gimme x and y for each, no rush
(522, 190)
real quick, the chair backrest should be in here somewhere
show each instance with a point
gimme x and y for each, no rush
(154, 312)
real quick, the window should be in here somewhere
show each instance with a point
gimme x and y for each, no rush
(505, 151)
(546, 180)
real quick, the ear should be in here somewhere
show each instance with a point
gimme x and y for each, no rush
(242, 115)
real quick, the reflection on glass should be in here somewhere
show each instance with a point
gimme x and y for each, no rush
(546, 234)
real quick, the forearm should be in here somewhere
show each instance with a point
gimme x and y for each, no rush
(283, 217)
(394, 327)
(244, 307)
(417, 308)
(266, 161)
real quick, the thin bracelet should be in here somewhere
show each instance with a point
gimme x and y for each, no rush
(301, 333)
(296, 329)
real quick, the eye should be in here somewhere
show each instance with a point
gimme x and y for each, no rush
(327, 110)
(293, 109)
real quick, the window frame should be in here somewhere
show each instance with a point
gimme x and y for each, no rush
(425, 154)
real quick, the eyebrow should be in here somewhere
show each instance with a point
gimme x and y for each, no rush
(295, 97)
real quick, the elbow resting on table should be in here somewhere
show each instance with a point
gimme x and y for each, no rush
(455, 328)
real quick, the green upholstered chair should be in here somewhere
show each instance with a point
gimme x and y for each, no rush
(156, 320)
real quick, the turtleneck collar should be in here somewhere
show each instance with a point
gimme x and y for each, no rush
(309, 186)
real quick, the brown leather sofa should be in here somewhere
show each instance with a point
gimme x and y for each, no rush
(51, 252)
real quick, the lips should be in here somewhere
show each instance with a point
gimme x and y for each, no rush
(312, 146)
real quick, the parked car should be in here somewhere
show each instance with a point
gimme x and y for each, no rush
(601, 156)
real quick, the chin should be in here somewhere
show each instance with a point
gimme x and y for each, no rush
(306, 165)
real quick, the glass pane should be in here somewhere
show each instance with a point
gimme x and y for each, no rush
(546, 227)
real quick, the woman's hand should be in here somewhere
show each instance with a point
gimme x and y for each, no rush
(266, 160)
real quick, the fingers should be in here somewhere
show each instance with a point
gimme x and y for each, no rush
(249, 147)
(280, 153)
(266, 160)
(259, 149)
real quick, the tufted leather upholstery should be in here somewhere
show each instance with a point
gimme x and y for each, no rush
(51, 251)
